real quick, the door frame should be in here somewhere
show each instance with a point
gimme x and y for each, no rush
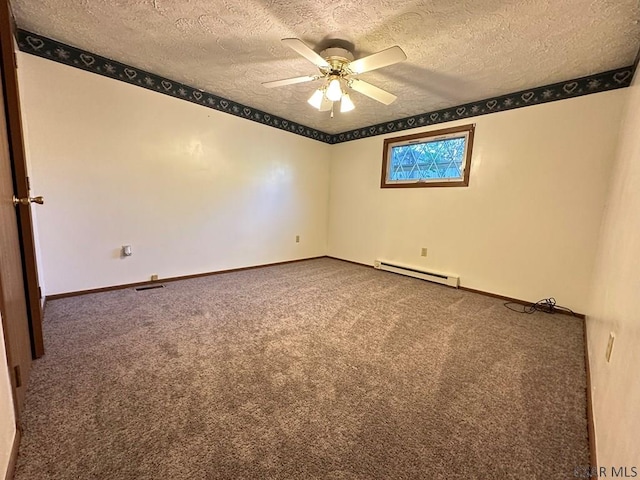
(20, 178)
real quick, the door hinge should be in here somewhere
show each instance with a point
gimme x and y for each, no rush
(18, 376)
(39, 292)
(15, 60)
(28, 184)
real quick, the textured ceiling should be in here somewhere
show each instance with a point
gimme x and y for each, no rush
(458, 51)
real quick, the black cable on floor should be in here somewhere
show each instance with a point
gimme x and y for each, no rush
(546, 305)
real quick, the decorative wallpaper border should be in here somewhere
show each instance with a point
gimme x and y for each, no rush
(596, 83)
(59, 52)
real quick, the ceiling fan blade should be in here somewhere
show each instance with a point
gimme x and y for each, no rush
(303, 49)
(326, 105)
(378, 60)
(289, 81)
(372, 91)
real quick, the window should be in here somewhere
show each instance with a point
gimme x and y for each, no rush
(441, 158)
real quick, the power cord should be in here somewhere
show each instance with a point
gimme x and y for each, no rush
(546, 305)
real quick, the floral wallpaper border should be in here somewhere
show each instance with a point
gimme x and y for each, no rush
(59, 52)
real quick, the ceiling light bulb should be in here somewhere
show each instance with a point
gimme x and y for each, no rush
(334, 90)
(316, 99)
(346, 105)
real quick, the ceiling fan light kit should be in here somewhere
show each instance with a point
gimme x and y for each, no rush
(334, 89)
(316, 99)
(346, 105)
(339, 71)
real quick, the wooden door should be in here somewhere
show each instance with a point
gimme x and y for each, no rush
(20, 180)
(19, 291)
(12, 288)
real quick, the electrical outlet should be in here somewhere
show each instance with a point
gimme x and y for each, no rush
(297, 238)
(154, 277)
(423, 252)
(610, 346)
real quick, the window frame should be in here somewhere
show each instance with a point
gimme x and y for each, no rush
(389, 143)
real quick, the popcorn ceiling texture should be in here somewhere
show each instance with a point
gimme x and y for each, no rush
(458, 52)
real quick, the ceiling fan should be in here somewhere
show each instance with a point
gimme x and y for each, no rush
(339, 71)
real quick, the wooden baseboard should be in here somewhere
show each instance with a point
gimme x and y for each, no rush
(516, 300)
(593, 461)
(207, 274)
(13, 456)
(473, 290)
(170, 279)
(350, 261)
(495, 295)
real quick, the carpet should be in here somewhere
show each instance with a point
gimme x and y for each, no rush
(319, 369)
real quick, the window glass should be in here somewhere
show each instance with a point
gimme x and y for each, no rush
(437, 158)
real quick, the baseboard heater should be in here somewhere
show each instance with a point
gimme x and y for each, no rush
(436, 277)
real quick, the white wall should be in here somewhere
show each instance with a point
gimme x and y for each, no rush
(7, 414)
(191, 189)
(527, 225)
(616, 305)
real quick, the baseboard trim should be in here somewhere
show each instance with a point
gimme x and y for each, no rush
(517, 300)
(593, 460)
(171, 279)
(350, 261)
(473, 290)
(13, 456)
(218, 272)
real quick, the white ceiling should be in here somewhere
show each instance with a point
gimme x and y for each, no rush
(458, 51)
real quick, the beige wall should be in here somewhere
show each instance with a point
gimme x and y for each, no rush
(191, 189)
(7, 416)
(615, 305)
(527, 225)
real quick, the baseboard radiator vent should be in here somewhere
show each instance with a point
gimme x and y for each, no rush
(148, 287)
(436, 277)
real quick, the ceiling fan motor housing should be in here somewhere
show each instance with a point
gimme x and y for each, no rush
(338, 58)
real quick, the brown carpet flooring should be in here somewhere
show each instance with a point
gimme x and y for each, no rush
(313, 370)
